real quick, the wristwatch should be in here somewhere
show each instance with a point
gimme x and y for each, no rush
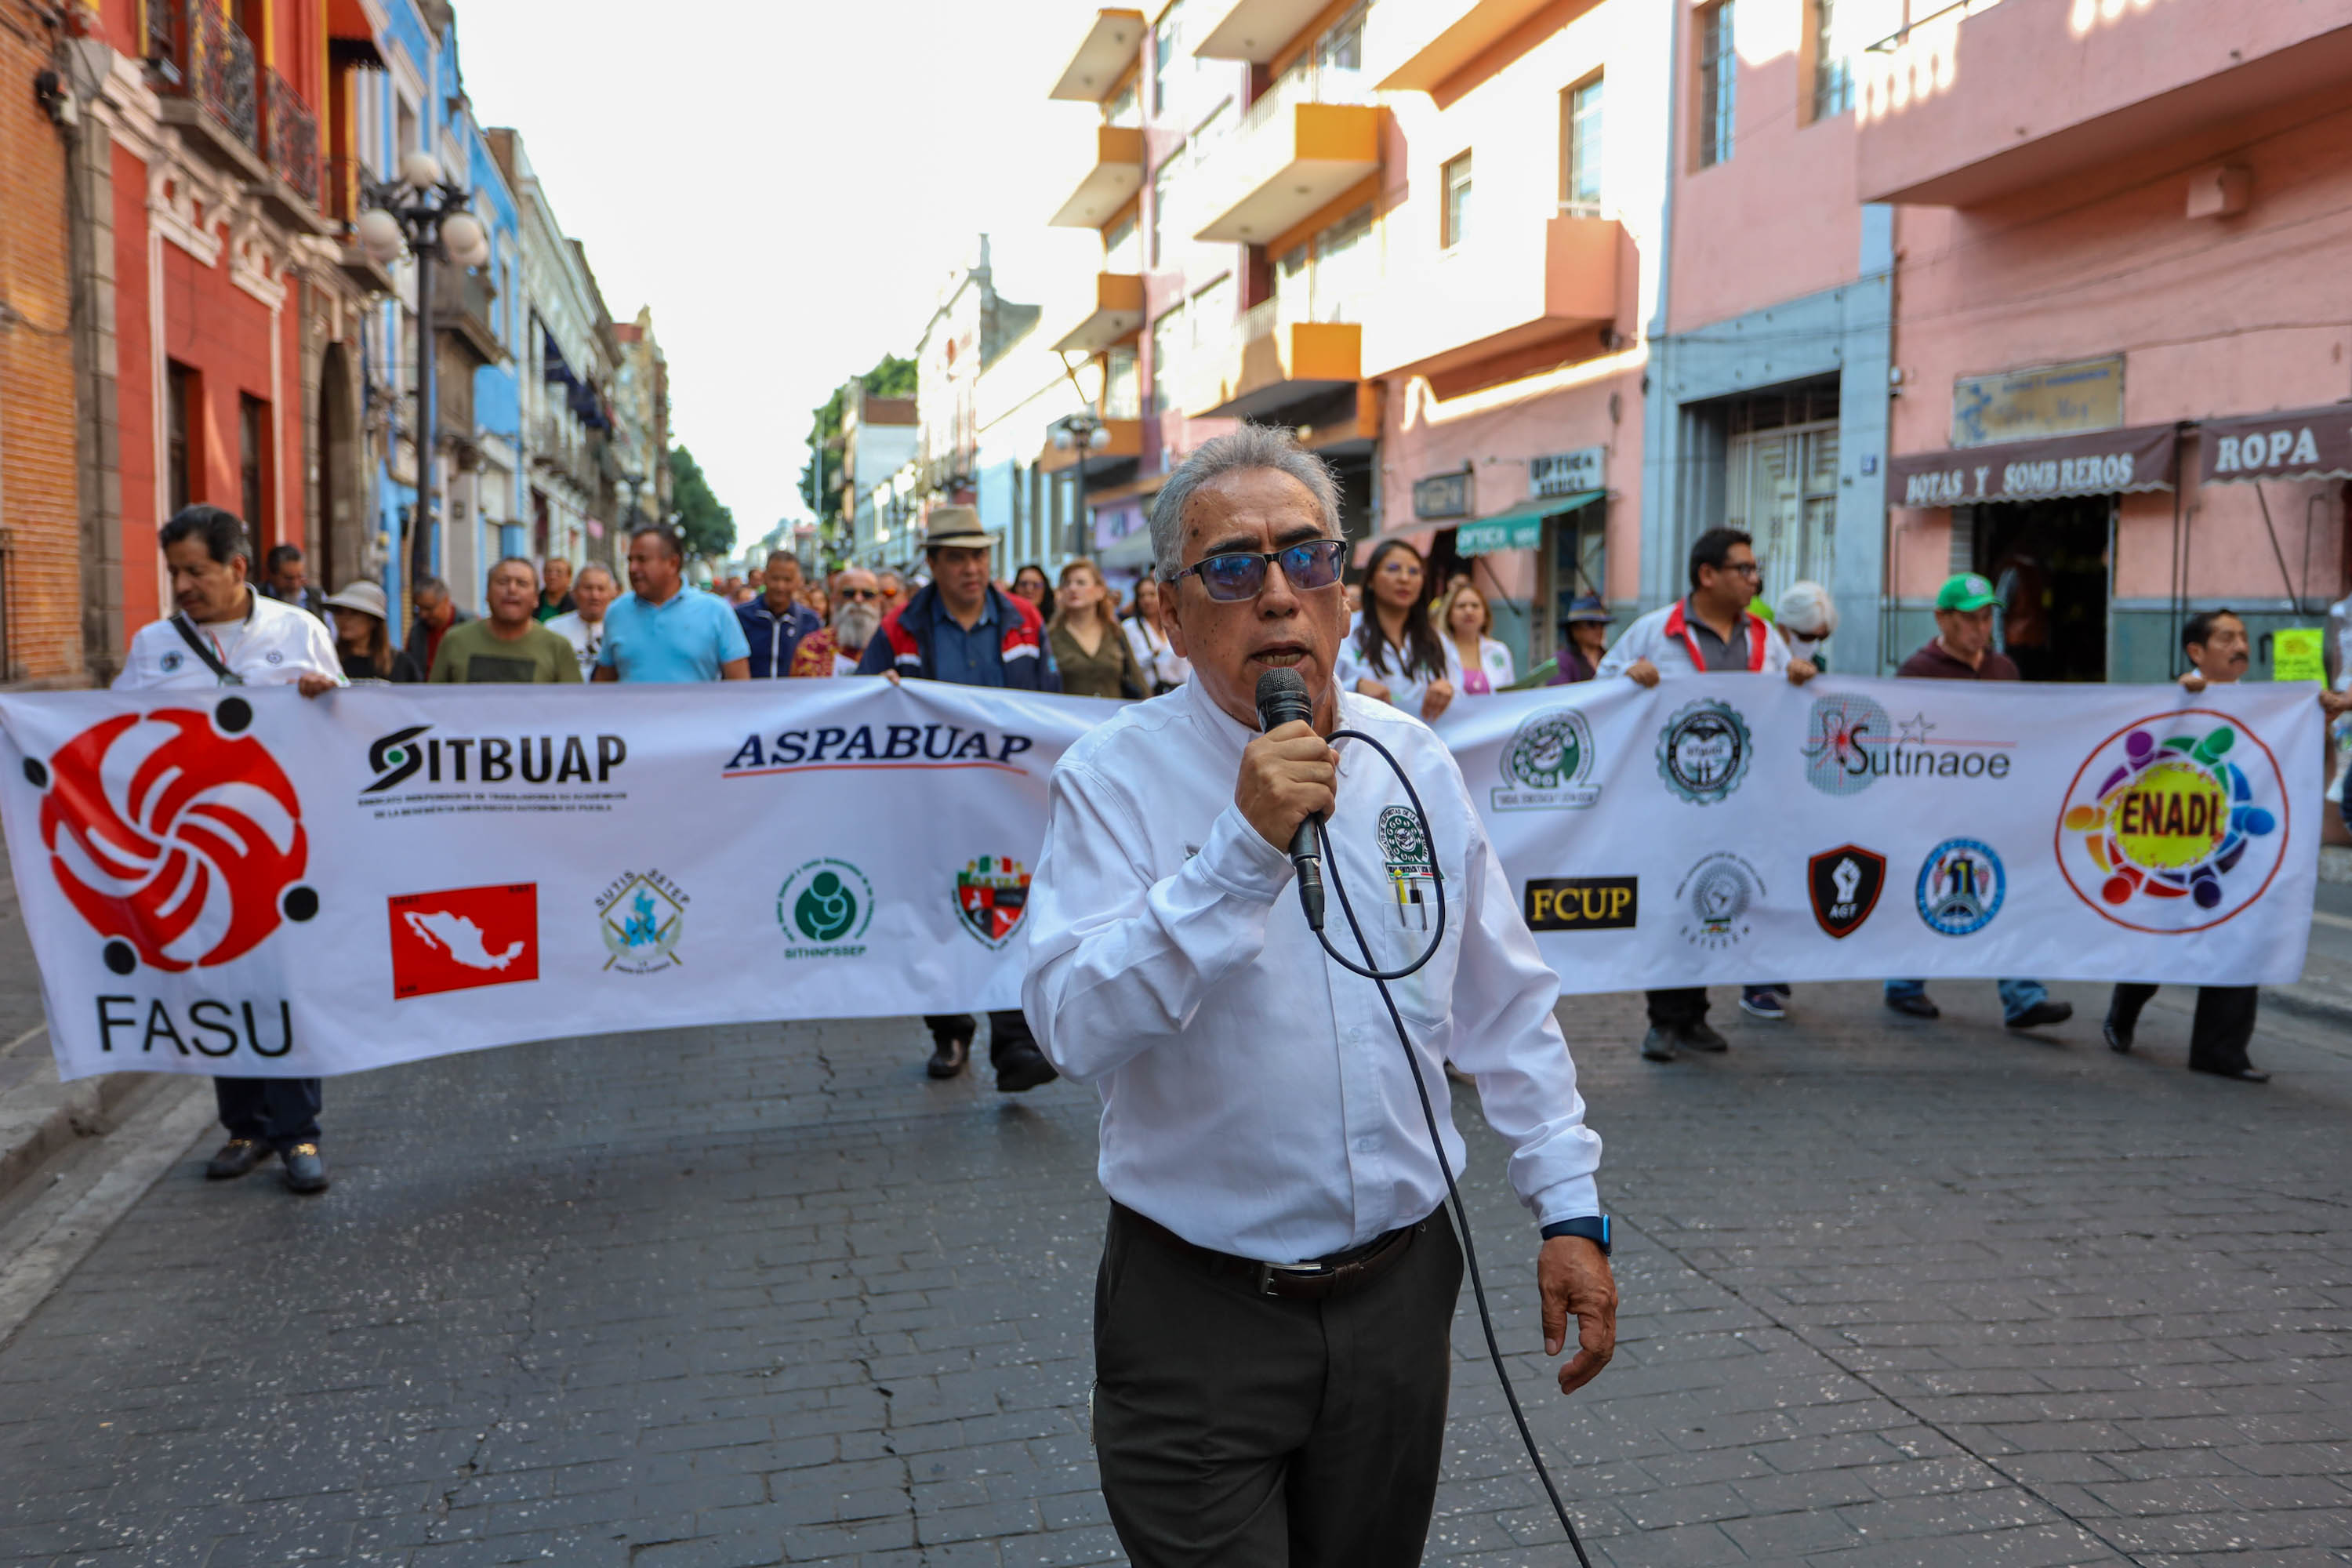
(1593, 1228)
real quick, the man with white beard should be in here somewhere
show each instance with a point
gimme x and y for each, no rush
(583, 626)
(835, 649)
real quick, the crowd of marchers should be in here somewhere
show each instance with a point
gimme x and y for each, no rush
(1419, 646)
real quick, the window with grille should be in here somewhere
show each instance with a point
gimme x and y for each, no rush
(1781, 486)
(1580, 150)
(1718, 76)
(1453, 213)
(252, 421)
(181, 392)
(1832, 61)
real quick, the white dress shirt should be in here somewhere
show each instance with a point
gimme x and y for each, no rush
(274, 645)
(1406, 691)
(1254, 1098)
(1154, 655)
(585, 638)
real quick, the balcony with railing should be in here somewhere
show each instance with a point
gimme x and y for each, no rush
(202, 66)
(344, 197)
(462, 304)
(1107, 179)
(1308, 138)
(1277, 356)
(289, 136)
(1970, 102)
(1519, 282)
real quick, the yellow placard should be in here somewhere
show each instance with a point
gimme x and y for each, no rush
(2298, 653)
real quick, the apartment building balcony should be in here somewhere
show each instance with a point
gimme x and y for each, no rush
(202, 66)
(1272, 361)
(1411, 45)
(1255, 30)
(1117, 314)
(1305, 140)
(346, 180)
(1977, 101)
(461, 307)
(1104, 54)
(1108, 179)
(289, 143)
(1515, 285)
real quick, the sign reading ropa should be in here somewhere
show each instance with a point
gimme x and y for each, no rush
(2104, 462)
(2307, 444)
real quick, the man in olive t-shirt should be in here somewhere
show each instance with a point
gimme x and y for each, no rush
(510, 646)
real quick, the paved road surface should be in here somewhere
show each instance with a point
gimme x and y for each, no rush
(1895, 1294)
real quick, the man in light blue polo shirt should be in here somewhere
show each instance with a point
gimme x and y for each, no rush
(662, 630)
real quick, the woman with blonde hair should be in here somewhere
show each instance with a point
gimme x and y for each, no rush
(1466, 621)
(1089, 648)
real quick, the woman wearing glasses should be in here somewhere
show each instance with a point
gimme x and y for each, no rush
(1393, 652)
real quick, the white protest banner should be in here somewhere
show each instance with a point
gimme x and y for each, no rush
(247, 881)
(244, 881)
(1727, 829)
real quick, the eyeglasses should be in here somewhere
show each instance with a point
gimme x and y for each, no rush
(856, 594)
(1743, 568)
(1232, 578)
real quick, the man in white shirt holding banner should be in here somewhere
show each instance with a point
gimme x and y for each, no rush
(1278, 1280)
(225, 634)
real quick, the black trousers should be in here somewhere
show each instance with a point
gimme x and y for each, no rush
(2224, 1024)
(1005, 1030)
(278, 1111)
(1238, 1430)
(1678, 1008)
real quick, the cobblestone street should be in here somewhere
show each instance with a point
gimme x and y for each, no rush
(1895, 1294)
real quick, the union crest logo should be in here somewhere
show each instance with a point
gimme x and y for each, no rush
(1704, 752)
(992, 895)
(2175, 822)
(1549, 764)
(175, 834)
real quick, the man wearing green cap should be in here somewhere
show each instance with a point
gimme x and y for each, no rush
(1962, 650)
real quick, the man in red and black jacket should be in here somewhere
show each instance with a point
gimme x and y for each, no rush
(962, 630)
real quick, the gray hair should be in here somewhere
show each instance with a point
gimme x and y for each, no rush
(1806, 609)
(1251, 446)
(600, 570)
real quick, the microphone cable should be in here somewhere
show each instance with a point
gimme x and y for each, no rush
(1381, 977)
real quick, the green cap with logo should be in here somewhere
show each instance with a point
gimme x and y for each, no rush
(1965, 591)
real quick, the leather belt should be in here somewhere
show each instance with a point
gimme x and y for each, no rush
(1340, 1274)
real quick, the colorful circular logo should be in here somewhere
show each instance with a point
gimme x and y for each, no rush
(1962, 886)
(177, 837)
(2174, 823)
(1704, 752)
(1549, 750)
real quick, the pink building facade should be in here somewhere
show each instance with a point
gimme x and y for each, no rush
(2118, 219)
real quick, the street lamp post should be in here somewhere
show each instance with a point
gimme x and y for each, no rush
(425, 214)
(1084, 432)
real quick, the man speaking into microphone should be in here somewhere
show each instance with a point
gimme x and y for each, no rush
(1278, 1280)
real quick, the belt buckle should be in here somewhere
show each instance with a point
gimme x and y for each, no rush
(1267, 1272)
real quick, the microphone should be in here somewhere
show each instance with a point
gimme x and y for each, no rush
(1281, 698)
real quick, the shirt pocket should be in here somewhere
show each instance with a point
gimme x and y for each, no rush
(1395, 896)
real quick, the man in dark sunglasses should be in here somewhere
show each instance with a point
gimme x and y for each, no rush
(1275, 1231)
(835, 649)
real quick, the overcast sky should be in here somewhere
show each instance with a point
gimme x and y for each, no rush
(786, 184)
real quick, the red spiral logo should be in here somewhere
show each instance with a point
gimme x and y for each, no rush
(172, 838)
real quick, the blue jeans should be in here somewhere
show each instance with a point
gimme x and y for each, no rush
(2018, 997)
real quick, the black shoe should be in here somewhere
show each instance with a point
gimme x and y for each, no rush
(1022, 1068)
(236, 1157)
(2117, 1035)
(305, 1172)
(1658, 1045)
(2244, 1072)
(949, 1053)
(1914, 1005)
(2042, 1014)
(1697, 1036)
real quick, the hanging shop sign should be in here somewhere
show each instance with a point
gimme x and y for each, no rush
(1441, 496)
(2026, 405)
(2307, 444)
(1567, 473)
(2139, 459)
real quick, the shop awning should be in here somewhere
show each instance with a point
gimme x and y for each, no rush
(1521, 528)
(2100, 462)
(2302, 444)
